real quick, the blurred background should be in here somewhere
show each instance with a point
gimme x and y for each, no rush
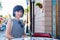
(41, 16)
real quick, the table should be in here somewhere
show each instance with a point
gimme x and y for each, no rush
(34, 38)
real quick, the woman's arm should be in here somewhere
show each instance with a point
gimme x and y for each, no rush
(8, 29)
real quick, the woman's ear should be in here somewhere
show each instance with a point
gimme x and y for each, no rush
(22, 15)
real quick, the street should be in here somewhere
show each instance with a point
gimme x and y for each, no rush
(2, 35)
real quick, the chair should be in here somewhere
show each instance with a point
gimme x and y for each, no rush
(42, 35)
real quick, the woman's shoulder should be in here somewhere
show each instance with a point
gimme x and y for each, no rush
(10, 20)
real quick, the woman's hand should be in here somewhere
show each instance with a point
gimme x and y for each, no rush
(24, 36)
(9, 37)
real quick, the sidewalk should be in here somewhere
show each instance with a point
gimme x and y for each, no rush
(2, 35)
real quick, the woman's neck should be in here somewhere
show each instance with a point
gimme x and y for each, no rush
(17, 18)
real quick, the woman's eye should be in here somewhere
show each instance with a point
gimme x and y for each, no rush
(21, 11)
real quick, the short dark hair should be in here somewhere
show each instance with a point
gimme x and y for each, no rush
(18, 8)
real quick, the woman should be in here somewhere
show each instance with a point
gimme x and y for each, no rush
(15, 26)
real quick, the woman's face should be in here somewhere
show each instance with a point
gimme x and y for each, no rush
(18, 14)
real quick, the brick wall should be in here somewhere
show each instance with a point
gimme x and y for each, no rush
(48, 16)
(58, 25)
(43, 21)
(39, 18)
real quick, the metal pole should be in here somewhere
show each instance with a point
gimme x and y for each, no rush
(32, 15)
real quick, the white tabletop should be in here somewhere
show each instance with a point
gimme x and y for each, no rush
(34, 38)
